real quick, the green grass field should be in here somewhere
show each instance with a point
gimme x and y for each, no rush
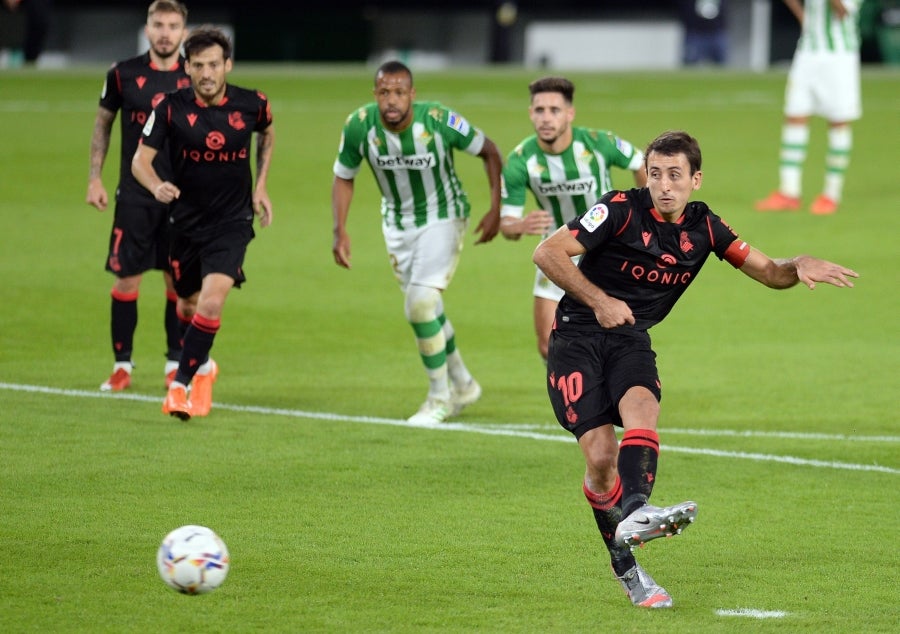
(779, 410)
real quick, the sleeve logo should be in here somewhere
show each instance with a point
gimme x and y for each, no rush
(148, 127)
(594, 217)
(458, 123)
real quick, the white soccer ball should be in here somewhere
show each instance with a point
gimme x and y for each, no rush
(193, 560)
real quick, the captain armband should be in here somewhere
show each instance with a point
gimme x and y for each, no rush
(737, 253)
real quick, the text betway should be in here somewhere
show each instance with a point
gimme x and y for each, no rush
(414, 162)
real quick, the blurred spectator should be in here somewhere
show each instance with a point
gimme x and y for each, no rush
(37, 24)
(705, 31)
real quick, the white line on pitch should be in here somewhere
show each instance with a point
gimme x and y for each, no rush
(478, 428)
(753, 614)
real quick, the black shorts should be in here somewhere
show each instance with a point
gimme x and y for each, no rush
(139, 239)
(192, 258)
(589, 372)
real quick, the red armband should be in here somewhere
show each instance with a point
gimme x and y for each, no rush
(737, 253)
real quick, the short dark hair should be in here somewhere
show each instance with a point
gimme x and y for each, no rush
(553, 84)
(205, 37)
(168, 6)
(393, 67)
(677, 142)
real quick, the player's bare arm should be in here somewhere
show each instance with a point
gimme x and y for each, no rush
(554, 257)
(534, 223)
(489, 226)
(341, 195)
(96, 194)
(143, 171)
(784, 273)
(796, 7)
(262, 205)
(839, 9)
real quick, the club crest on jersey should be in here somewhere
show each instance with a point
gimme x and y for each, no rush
(458, 123)
(594, 217)
(236, 121)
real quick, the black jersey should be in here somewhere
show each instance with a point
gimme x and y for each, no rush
(634, 255)
(135, 86)
(210, 151)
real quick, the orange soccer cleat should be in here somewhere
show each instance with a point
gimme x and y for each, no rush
(776, 201)
(177, 403)
(119, 380)
(823, 206)
(201, 390)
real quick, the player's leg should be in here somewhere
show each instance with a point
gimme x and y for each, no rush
(841, 105)
(464, 389)
(799, 104)
(435, 251)
(175, 329)
(123, 322)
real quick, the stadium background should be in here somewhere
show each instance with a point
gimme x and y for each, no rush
(468, 32)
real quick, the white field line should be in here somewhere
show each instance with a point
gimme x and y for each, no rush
(518, 431)
(753, 614)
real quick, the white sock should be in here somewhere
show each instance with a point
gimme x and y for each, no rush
(837, 159)
(794, 143)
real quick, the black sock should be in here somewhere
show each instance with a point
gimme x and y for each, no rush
(123, 321)
(608, 514)
(638, 455)
(174, 329)
(198, 341)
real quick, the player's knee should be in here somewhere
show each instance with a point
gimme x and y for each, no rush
(421, 303)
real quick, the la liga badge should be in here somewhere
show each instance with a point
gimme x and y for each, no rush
(594, 217)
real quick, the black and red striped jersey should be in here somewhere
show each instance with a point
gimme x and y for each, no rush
(634, 255)
(135, 86)
(210, 149)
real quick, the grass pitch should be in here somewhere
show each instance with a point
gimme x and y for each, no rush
(779, 410)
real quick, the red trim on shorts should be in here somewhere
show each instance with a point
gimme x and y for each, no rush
(205, 323)
(640, 438)
(124, 297)
(171, 296)
(603, 501)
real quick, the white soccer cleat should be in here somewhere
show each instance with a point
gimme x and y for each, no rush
(433, 411)
(460, 398)
(651, 522)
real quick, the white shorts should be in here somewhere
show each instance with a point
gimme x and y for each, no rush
(546, 289)
(426, 256)
(825, 84)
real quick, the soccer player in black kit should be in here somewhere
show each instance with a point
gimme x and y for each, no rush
(207, 130)
(641, 248)
(138, 241)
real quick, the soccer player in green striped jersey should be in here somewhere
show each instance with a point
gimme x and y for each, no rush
(566, 168)
(409, 146)
(824, 81)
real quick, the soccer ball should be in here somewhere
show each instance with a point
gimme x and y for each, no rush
(193, 560)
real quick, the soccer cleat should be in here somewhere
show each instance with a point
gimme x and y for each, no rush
(651, 522)
(643, 590)
(201, 390)
(776, 201)
(823, 206)
(177, 403)
(119, 380)
(433, 410)
(466, 396)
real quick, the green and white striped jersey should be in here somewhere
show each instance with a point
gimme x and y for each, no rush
(414, 169)
(565, 184)
(823, 31)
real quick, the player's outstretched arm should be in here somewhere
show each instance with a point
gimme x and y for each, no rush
(262, 205)
(784, 273)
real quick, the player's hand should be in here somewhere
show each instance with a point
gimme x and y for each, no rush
(489, 226)
(537, 223)
(611, 312)
(262, 207)
(166, 192)
(812, 270)
(341, 249)
(96, 194)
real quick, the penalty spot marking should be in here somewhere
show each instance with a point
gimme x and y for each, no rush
(753, 614)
